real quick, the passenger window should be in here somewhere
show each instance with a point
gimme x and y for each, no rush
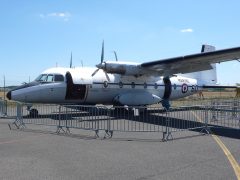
(120, 84)
(175, 86)
(58, 78)
(145, 85)
(105, 84)
(133, 85)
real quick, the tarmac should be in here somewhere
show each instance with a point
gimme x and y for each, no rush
(37, 152)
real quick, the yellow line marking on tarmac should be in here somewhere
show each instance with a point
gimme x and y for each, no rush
(230, 157)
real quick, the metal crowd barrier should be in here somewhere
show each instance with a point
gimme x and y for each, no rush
(225, 113)
(3, 108)
(129, 119)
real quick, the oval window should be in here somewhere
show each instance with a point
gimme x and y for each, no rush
(105, 84)
(120, 84)
(133, 85)
(175, 86)
(145, 85)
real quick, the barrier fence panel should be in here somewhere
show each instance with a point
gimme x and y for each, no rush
(225, 113)
(3, 108)
(137, 119)
(84, 117)
(193, 118)
(128, 119)
(47, 115)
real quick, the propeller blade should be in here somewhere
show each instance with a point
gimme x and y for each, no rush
(102, 55)
(93, 74)
(115, 55)
(71, 61)
(107, 76)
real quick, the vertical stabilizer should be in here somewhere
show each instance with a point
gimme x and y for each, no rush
(208, 77)
(207, 48)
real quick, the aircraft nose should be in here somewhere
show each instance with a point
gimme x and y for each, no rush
(9, 95)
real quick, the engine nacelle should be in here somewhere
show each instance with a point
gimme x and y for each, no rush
(123, 68)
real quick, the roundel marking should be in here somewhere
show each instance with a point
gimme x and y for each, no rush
(184, 88)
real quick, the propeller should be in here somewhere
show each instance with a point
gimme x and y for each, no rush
(102, 54)
(102, 64)
(71, 61)
(115, 55)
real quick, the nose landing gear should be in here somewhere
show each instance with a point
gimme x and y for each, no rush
(33, 113)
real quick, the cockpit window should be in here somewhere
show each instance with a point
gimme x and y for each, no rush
(58, 78)
(44, 77)
(41, 77)
(50, 78)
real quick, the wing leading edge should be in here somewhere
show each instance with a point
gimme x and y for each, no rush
(192, 63)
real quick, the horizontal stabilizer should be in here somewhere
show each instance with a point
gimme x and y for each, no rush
(219, 86)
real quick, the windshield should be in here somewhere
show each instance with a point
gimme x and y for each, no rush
(50, 78)
(41, 77)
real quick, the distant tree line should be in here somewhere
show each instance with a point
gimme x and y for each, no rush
(7, 88)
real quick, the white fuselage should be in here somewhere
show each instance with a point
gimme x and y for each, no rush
(80, 87)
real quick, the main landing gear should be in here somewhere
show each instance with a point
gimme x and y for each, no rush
(166, 104)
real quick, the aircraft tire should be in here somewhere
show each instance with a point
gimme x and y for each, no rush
(33, 113)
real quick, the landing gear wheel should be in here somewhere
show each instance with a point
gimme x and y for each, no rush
(33, 113)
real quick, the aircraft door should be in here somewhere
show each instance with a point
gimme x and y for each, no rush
(74, 91)
(168, 88)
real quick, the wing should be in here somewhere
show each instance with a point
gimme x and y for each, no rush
(191, 63)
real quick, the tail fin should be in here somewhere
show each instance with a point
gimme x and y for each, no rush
(207, 48)
(208, 77)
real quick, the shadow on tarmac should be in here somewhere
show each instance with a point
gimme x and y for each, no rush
(226, 132)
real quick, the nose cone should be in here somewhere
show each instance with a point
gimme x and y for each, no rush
(9, 95)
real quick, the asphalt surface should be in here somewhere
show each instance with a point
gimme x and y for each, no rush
(39, 153)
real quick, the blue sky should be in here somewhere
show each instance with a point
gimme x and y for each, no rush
(36, 35)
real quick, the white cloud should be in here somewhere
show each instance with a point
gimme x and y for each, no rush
(188, 30)
(60, 15)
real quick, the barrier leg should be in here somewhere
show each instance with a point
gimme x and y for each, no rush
(19, 123)
(167, 134)
(108, 132)
(206, 129)
(59, 127)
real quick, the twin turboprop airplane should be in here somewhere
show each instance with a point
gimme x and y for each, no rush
(127, 83)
